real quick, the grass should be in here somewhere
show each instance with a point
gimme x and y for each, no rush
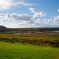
(32, 36)
(38, 39)
(27, 51)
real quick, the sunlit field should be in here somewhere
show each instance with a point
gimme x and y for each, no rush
(27, 51)
(34, 46)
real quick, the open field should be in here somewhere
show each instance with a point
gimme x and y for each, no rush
(35, 46)
(27, 51)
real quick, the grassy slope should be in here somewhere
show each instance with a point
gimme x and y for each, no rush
(22, 51)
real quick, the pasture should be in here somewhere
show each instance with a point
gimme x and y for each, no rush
(34, 46)
(27, 51)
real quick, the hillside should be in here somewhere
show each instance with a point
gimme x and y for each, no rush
(3, 29)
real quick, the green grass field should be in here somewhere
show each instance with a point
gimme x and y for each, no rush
(27, 51)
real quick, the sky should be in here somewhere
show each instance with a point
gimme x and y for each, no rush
(29, 13)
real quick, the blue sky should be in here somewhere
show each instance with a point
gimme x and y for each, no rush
(29, 13)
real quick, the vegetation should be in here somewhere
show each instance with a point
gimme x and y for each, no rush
(35, 45)
(38, 39)
(27, 51)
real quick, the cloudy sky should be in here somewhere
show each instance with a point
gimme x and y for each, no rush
(29, 13)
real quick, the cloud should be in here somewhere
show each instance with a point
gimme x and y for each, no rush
(56, 20)
(19, 16)
(22, 17)
(53, 22)
(5, 4)
(21, 20)
(38, 17)
(26, 20)
(14, 16)
(37, 13)
(22, 3)
(58, 10)
(15, 20)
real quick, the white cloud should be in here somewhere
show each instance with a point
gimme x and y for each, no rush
(37, 13)
(58, 10)
(22, 3)
(15, 20)
(19, 16)
(23, 17)
(56, 20)
(33, 10)
(5, 4)
(38, 17)
(21, 20)
(26, 20)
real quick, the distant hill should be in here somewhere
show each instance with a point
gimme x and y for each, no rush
(33, 29)
(14, 30)
(3, 29)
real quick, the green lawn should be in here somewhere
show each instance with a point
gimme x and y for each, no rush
(27, 51)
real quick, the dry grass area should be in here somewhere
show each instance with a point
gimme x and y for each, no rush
(42, 38)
